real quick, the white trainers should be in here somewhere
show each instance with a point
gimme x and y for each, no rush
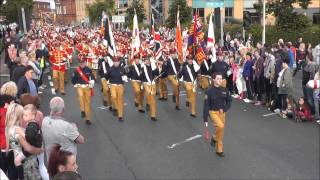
(235, 95)
(318, 121)
(246, 100)
(276, 110)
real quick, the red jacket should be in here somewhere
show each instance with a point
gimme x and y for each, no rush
(3, 112)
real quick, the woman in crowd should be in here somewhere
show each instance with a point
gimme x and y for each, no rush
(60, 161)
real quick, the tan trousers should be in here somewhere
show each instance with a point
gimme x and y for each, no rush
(138, 93)
(150, 93)
(106, 92)
(175, 88)
(94, 71)
(117, 98)
(84, 96)
(218, 120)
(205, 84)
(58, 80)
(163, 90)
(191, 97)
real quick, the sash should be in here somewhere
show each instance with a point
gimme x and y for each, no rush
(173, 66)
(84, 77)
(206, 64)
(190, 74)
(136, 68)
(146, 73)
(104, 67)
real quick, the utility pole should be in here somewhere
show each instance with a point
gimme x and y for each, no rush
(264, 23)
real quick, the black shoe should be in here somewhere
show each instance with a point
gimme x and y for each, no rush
(193, 115)
(88, 122)
(110, 108)
(63, 93)
(177, 108)
(56, 90)
(153, 119)
(101, 89)
(136, 104)
(165, 99)
(147, 107)
(213, 142)
(187, 104)
(105, 103)
(221, 154)
(120, 119)
(174, 98)
(83, 114)
(161, 99)
(141, 110)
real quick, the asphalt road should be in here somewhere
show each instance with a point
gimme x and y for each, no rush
(256, 147)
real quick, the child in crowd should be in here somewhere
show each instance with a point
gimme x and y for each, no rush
(302, 112)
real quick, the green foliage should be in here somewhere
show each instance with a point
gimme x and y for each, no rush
(138, 6)
(11, 8)
(285, 17)
(95, 10)
(274, 33)
(184, 10)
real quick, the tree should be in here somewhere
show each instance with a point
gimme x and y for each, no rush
(184, 10)
(138, 6)
(285, 17)
(95, 10)
(12, 9)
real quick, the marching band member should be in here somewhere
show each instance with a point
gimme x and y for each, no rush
(117, 76)
(58, 60)
(83, 80)
(104, 67)
(189, 74)
(150, 74)
(172, 70)
(134, 74)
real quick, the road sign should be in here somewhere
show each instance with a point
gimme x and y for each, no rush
(118, 19)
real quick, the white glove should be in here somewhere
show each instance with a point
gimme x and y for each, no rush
(124, 78)
(91, 83)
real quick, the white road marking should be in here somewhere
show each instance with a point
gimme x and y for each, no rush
(270, 114)
(53, 91)
(51, 83)
(184, 141)
(49, 78)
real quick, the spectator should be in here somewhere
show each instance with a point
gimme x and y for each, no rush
(11, 60)
(248, 77)
(301, 57)
(290, 54)
(60, 161)
(259, 76)
(5, 101)
(302, 112)
(291, 107)
(284, 84)
(26, 84)
(9, 88)
(67, 175)
(308, 73)
(20, 69)
(17, 141)
(56, 130)
(269, 65)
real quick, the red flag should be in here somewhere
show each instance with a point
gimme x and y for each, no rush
(179, 39)
(200, 55)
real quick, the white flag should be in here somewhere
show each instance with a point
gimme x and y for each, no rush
(211, 39)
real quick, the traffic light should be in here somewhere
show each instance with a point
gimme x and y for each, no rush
(246, 19)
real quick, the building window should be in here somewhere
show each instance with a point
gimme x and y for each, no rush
(228, 14)
(200, 10)
(64, 10)
(316, 18)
